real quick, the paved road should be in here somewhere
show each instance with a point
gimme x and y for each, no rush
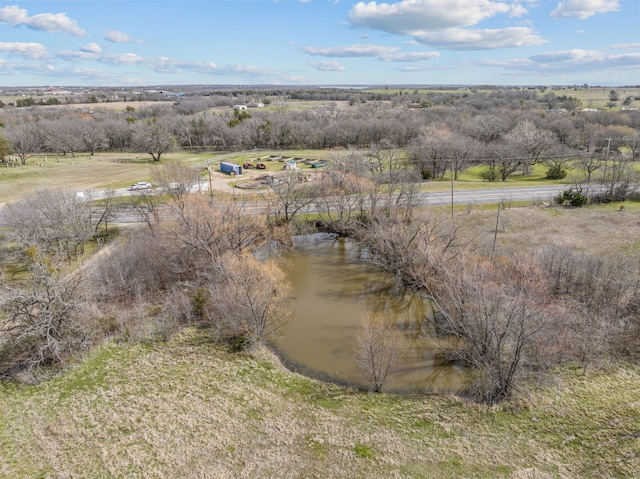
(492, 195)
(441, 198)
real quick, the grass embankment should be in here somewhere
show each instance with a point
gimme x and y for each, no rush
(188, 408)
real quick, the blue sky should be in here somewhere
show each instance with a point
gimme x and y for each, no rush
(320, 42)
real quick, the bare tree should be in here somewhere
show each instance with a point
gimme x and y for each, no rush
(25, 139)
(599, 301)
(411, 250)
(529, 142)
(290, 194)
(494, 311)
(139, 264)
(147, 203)
(487, 128)
(377, 350)
(154, 138)
(400, 181)
(248, 298)
(207, 230)
(177, 180)
(589, 163)
(106, 211)
(63, 135)
(40, 320)
(93, 136)
(440, 149)
(341, 198)
(56, 222)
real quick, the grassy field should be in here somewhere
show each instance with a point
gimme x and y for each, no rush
(85, 172)
(188, 409)
(598, 97)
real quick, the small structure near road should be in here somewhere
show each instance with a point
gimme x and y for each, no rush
(230, 168)
(318, 163)
(290, 164)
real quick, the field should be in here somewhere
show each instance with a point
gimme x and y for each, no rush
(187, 408)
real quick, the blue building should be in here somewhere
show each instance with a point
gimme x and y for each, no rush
(230, 168)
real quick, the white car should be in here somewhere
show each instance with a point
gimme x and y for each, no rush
(141, 185)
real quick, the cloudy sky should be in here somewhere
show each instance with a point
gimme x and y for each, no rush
(322, 42)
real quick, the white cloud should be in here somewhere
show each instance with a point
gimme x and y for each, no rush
(584, 8)
(48, 22)
(625, 46)
(518, 11)
(329, 66)
(172, 65)
(74, 55)
(444, 23)
(91, 48)
(351, 51)
(584, 58)
(122, 59)
(116, 36)
(382, 53)
(410, 57)
(462, 39)
(34, 51)
(569, 61)
(412, 15)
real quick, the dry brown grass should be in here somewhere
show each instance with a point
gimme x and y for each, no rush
(598, 230)
(189, 409)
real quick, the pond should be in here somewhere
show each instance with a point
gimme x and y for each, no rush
(334, 287)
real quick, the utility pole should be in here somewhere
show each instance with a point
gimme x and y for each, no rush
(606, 159)
(209, 170)
(452, 176)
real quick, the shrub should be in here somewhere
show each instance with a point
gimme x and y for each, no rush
(572, 197)
(556, 172)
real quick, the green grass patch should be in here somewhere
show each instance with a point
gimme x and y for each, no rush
(363, 451)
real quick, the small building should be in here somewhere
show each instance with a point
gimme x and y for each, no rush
(230, 168)
(290, 164)
(318, 163)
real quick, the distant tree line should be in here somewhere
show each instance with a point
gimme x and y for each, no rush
(506, 131)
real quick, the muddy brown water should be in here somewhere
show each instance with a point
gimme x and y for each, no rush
(334, 287)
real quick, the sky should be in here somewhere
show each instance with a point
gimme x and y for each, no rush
(319, 42)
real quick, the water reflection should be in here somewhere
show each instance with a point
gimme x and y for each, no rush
(334, 287)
